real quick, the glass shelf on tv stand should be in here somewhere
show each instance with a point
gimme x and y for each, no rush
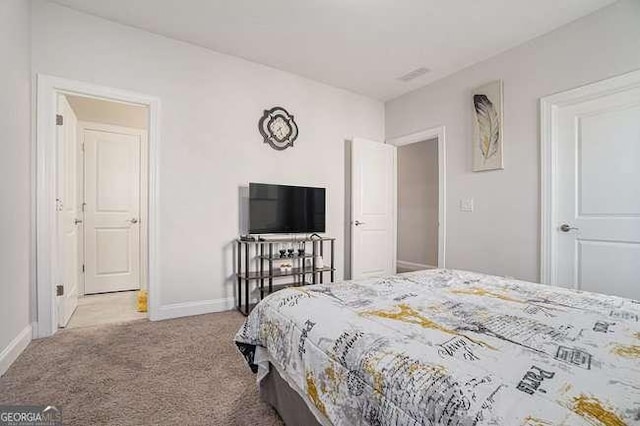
(277, 257)
(280, 240)
(278, 273)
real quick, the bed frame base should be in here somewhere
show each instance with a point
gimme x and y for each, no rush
(275, 391)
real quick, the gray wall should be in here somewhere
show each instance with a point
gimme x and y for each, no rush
(418, 203)
(15, 165)
(502, 235)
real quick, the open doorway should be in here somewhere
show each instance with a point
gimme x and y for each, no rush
(95, 210)
(417, 211)
(102, 204)
(420, 200)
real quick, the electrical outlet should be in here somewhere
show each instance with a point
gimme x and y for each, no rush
(466, 205)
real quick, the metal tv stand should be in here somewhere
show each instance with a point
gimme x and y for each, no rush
(263, 253)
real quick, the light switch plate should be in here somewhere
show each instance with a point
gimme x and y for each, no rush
(466, 205)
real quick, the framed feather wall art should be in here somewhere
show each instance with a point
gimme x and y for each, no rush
(487, 125)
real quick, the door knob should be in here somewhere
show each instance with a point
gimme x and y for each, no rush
(566, 227)
(358, 223)
(77, 221)
(134, 220)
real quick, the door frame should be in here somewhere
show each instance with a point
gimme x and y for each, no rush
(439, 134)
(549, 106)
(44, 211)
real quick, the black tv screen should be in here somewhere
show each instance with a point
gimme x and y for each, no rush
(277, 209)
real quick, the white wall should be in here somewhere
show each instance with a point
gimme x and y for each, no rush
(15, 165)
(418, 203)
(502, 235)
(105, 112)
(210, 145)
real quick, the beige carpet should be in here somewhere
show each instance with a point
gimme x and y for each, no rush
(185, 371)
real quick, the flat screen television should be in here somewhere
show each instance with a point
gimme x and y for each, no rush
(282, 209)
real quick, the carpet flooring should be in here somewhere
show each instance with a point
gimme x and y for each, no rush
(184, 371)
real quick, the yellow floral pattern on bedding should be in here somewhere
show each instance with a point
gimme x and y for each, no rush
(452, 347)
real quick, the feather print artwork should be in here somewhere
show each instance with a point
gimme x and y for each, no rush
(488, 125)
(487, 138)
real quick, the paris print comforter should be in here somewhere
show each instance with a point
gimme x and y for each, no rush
(444, 347)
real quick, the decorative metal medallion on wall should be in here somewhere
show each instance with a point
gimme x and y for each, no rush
(278, 128)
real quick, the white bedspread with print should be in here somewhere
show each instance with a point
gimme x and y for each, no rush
(445, 347)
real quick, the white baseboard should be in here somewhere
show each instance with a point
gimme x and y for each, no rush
(14, 349)
(413, 266)
(185, 309)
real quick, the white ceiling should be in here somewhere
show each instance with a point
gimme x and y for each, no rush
(359, 45)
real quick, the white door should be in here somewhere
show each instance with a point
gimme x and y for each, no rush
(598, 195)
(69, 211)
(112, 210)
(373, 201)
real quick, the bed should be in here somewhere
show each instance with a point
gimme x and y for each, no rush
(445, 347)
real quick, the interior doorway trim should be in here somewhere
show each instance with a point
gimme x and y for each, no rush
(549, 106)
(439, 134)
(45, 251)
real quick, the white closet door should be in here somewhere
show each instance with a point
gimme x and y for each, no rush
(112, 211)
(598, 198)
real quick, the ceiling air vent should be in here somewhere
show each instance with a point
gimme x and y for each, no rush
(414, 74)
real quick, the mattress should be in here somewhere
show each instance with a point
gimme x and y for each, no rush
(451, 347)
